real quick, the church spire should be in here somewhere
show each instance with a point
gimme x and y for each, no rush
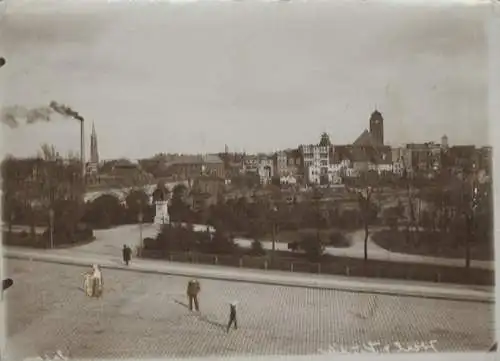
(94, 152)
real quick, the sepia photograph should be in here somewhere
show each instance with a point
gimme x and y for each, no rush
(245, 179)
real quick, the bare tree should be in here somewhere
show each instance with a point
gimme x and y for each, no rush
(412, 221)
(48, 152)
(364, 201)
(366, 209)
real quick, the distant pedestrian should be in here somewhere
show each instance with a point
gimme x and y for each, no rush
(232, 316)
(127, 254)
(193, 289)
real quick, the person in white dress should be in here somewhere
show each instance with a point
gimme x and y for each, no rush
(93, 283)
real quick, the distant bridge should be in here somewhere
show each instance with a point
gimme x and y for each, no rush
(121, 193)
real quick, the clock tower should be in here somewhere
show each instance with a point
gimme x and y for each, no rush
(377, 127)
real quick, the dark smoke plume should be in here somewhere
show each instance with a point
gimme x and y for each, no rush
(37, 114)
(12, 115)
(65, 111)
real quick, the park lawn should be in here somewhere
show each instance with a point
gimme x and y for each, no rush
(344, 266)
(435, 244)
(288, 236)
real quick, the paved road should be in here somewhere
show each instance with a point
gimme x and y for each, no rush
(141, 316)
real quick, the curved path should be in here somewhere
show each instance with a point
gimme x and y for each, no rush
(110, 242)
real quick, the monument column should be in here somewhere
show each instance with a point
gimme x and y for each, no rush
(161, 202)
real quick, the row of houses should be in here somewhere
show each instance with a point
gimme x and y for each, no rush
(321, 163)
(325, 163)
(316, 164)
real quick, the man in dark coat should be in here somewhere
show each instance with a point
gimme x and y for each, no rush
(193, 289)
(127, 254)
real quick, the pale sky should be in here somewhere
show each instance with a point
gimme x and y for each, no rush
(256, 76)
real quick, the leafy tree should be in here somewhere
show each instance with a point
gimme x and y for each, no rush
(179, 210)
(177, 238)
(32, 187)
(257, 249)
(368, 213)
(137, 202)
(105, 211)
(313, 246)
(67, 222)
(221, 242)
(161, 193)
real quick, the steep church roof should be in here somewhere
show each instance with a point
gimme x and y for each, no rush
(365, 139)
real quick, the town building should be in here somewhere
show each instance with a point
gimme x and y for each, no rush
(250, 164)
(485, 159)
(462, 158)
(425, 157)
(315, 155)
(205, 191)
(265, 168)
(124, 173)
(288, 180)
(295, 165)
(368, 152)
(316, 161)
(281, 163)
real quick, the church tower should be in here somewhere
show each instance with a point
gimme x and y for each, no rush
(377, 127)
(94, 152)
(444, 142)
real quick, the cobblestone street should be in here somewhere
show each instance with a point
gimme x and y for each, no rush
(144, 315)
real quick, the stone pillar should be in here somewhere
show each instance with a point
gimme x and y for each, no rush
(161, 216)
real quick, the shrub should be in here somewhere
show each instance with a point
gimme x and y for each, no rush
(220, 243)
(339, 240)
(151, 243)
(392, 222)
(257, 249)
(176, 238)
(81, 232)
(84, 232)
(312, 246)
(105, 211)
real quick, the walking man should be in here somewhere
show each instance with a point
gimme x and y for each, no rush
(193, 289)
(232, 316)
(127, 254)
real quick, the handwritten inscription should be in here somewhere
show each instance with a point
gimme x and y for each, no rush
(378, 347)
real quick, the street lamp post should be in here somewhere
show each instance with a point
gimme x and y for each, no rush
(471, 215)
(140, 218)
(274, 211)
(51, 227)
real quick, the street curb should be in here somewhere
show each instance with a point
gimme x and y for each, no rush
(489, 299)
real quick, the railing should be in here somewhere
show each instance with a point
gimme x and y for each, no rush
(343, 267)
